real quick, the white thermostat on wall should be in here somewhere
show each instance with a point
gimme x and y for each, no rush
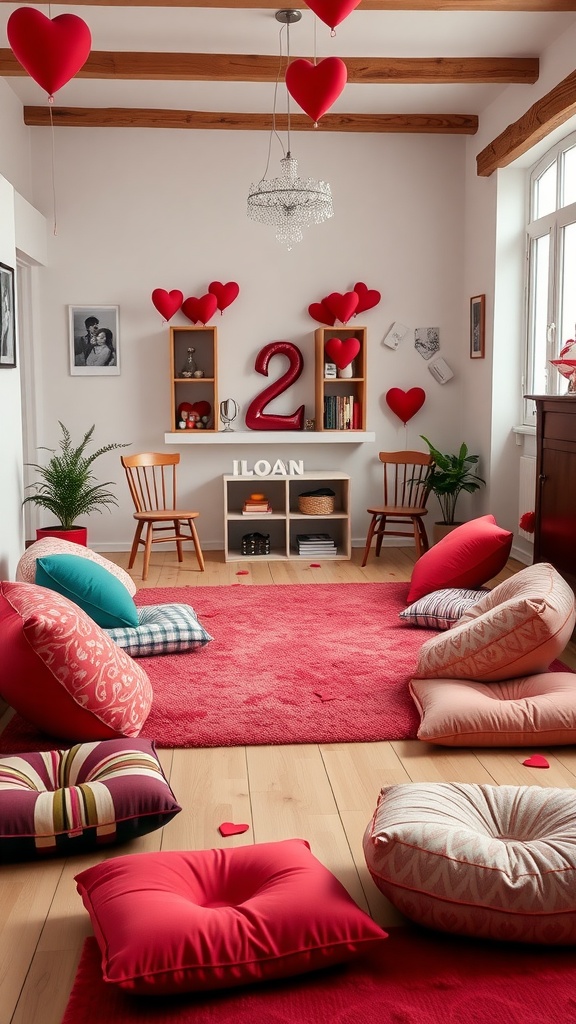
(440, 371)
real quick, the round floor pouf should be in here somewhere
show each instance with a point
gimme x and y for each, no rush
(497, 862)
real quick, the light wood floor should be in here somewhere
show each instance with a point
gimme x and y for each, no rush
(323, 793)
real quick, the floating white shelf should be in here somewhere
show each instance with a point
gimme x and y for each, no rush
(241, 437)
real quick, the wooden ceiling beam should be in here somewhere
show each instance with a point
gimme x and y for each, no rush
(128, 117)
(237, 67)
(543, 117)
(544, 6)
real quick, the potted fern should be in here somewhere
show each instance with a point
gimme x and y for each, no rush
(67, 487)
(451, 475)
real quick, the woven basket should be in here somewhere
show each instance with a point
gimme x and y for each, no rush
(316, 505)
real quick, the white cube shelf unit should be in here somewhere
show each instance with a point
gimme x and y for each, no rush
(285, 521)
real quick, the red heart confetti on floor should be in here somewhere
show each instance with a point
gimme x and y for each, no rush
(536, 761)
(228, 828)
(243, 572)
(315, 565)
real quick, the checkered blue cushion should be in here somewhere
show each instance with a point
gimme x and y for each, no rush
(161, 629)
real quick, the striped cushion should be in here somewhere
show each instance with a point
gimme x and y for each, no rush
(94, 794)
(161, 629)
(441, 609)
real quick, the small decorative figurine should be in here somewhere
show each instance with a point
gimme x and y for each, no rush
(189, 368)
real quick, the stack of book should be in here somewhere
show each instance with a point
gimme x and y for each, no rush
(256, 506)
(342, 412)
(317, 544)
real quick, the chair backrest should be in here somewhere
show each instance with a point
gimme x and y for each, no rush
(152, 480)
(407, 478)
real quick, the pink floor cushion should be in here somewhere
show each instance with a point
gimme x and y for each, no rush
(26, 568)
(538, 710)
(469, 556)
(497, 862)
(517, 629)
(63, 673)
(91, 795)
(209, 919)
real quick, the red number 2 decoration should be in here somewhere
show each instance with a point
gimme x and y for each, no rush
(256, 418)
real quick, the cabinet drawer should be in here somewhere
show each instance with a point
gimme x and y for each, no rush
(560, 425)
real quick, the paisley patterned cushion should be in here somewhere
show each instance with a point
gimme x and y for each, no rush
(497, 862)
(62, 672)
(26, 568)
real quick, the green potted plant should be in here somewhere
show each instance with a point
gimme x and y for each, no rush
(451, 475)
(67, 487)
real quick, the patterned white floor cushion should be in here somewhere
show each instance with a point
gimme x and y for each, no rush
(161, 629)
(26, 568)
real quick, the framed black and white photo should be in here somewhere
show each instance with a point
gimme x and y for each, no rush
(477, 307)
(7, 318)
(94, 341)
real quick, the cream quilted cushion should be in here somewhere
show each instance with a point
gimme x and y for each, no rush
(497, 862)
(517, 629)
(26, 568)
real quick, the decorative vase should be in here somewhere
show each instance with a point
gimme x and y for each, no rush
(346, 372)
(440, 530)
(77, 534)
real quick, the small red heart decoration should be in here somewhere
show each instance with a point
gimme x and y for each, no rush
(225, 293)
(228, 828)
(367, 297)
(342, 350)
(315, 87)
(52, 51)
(319, 312)
(201, 309)
(342, 306)
(202, 408)
(332, 12)
(167, 303)
(405, 404)
(536, 761)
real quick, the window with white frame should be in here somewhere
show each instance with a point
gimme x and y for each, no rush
(551, 262)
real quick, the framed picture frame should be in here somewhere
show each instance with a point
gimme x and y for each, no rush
(477, 326)
(94, 341)
(7, 318)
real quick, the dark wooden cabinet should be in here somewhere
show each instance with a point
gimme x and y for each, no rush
(555, 530)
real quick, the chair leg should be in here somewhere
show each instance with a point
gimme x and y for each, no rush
(420, 537)
(135, 543)
(380, 535)
(178, 532)
(371, 529)
(147, 550)
(197, 547)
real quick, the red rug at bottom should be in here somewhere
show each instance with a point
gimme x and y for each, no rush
(418, 977)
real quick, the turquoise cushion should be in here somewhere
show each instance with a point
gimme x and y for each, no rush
(100, 594)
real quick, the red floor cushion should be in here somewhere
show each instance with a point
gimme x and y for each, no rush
(207, 919)
(469, 556)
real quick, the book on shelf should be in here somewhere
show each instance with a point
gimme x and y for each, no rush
(342, 412)
(314, 538)
(260, 512)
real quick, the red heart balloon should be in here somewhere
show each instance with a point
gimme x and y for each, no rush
(200, 309)
(342, 306)
(405, 404)
(315, 87)
(51, 51)
(228, 828)
(319, 312)
(202, 408)
(367, 297)
(167, 303)
(225, 293)
(536, 761)
(342, 350)
(332, 12)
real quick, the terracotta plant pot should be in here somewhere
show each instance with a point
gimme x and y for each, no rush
(77, 534)
(440, 530)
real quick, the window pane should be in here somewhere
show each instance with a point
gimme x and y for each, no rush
(569, 177)
(540, 261)
(544, 198)
(567, 293)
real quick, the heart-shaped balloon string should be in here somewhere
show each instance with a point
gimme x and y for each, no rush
(342, 350)
(341, 306)
(51, 51)
(315, 87)
(405, 404)
(367, 297)
(200, 310)
(319, 312)
(167, 303)
(225, 293)
(332, 12)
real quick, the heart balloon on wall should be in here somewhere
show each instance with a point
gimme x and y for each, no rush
(332, 12)
(405, 404)
(342, 306)
(367, 297)
(319, 312)
(315, 87)
(167, 303)
(225, 293)
(200, 310)
(52, 51)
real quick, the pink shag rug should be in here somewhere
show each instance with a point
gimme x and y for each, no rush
(302, 663)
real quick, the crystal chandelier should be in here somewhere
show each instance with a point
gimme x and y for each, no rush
(289, 203)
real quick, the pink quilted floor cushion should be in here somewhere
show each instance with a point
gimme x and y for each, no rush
(62, 672)
(26, 568)
(498, 862)
(537, 710)
(517, 629)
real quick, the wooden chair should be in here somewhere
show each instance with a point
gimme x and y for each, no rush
(407, 480)
(152, 481)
